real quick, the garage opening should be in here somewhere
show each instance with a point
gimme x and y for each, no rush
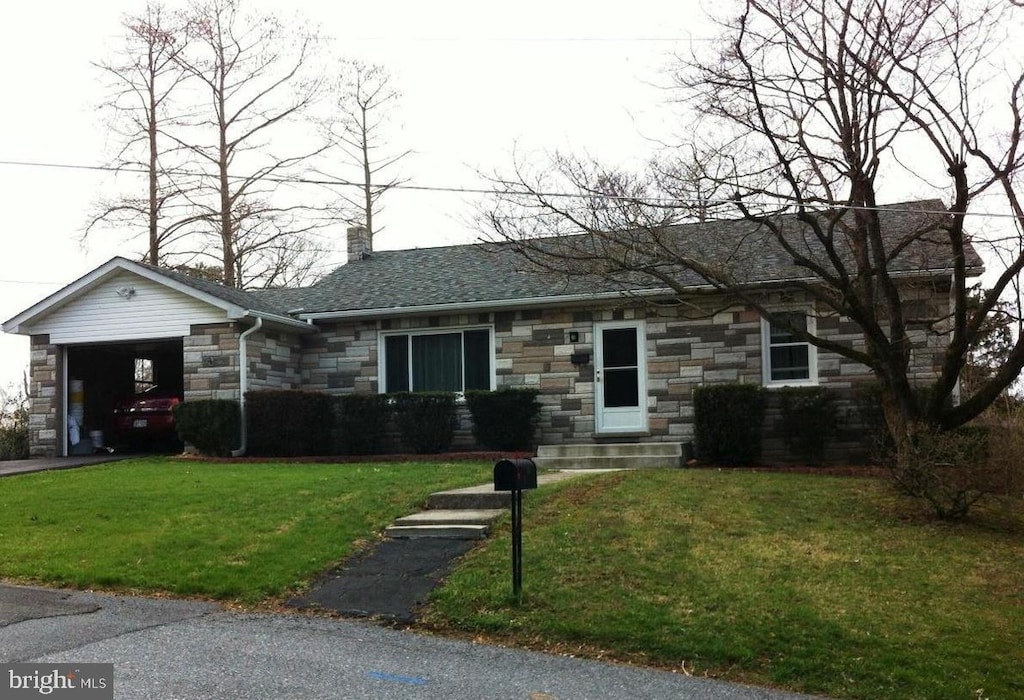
(120, 396)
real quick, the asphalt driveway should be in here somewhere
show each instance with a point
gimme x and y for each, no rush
(164, 648)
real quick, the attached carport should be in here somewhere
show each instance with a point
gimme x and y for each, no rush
(106, 375)
(125, 326)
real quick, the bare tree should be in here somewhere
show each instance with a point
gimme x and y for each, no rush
(14, 405)
(256, 77)
(812, 110)
(366, 101)
(272, 247)
(146, 75)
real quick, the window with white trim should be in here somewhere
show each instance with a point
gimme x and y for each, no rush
(449, 360)
(143, 374)
(786, 358)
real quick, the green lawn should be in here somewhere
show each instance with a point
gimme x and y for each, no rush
(807, 582)
(241, 532)
(814, 583)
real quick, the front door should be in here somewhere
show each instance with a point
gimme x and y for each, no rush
(620, 374)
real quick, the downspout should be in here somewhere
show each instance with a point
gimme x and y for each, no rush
(243, 381)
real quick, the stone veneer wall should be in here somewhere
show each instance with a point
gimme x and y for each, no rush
(532, 349)
(681, 353)
(274, 359)
(341, 358)
(211, 361)
(45, 396)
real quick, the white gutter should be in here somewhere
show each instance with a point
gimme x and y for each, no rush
(485, 304)
(243, 381)
(287, 321)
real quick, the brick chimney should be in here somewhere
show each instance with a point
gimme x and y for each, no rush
(360, 244)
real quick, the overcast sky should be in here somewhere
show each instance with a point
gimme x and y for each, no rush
(478, 80)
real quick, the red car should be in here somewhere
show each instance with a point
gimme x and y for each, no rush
(146, 417)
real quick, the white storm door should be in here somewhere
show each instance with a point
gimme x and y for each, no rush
(620, 377)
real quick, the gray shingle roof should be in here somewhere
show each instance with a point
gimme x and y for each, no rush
(483, 272)
(427, 277)
(254, 300)
(496, 272)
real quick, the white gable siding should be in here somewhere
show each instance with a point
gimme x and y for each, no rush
(102, 315)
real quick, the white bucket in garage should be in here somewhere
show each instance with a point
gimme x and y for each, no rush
(96, 436)
(76, 399)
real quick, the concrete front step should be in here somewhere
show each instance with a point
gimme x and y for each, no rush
(601, 462)
(594, 449)
(452, 517)
(482, 497)
(451, 532)
(641, 455)
(462, 513)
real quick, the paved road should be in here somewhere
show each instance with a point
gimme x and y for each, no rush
(170, 649)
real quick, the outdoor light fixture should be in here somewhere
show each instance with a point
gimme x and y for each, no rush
(126, 292)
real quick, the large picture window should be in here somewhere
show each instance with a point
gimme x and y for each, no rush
(438, 361)
(785, 357)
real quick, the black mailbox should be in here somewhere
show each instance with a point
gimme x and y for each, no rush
(580, 358)
(515, 475)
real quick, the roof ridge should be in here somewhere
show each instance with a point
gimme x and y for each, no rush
(395, 278)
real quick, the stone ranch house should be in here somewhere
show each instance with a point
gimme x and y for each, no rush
(614, 363)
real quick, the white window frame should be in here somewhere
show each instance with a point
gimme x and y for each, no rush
(766, 355)
(143, 373)
(382, 358)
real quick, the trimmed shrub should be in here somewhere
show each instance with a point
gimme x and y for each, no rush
(360, 423)
(211, 426)
(809, 418)
(727, 423)
(426, 420)
(286, 423)
(505, 419)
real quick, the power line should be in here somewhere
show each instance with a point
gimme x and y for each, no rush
(458, 189)
(398, 37)
(533, 39)
(30, 282)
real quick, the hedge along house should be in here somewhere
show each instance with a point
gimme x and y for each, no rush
(615, 359)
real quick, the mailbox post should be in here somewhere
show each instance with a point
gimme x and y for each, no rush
(515, 475)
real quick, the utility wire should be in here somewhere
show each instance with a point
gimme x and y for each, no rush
(534, 39)
(30, 282)
(455, 189)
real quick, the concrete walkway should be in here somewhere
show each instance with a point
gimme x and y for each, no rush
(27, 466)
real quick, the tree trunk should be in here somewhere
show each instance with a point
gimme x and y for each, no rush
(226, 227)
(227, 238)
(154, 242)
(904, 428)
